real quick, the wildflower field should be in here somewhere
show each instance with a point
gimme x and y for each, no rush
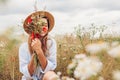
(80, 55)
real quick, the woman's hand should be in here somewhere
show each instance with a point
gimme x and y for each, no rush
(36, 44)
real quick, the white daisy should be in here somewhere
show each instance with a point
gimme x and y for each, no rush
(114, 52)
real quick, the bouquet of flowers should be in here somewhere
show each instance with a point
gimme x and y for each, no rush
(36, 26)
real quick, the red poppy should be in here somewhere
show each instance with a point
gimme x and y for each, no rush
(29, 20)
(32, 36)
(37, 35)
(44, 29)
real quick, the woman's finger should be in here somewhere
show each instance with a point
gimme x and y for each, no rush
(33, 40)
(32, 44)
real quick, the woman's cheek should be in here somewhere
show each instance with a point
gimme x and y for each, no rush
(45, 29)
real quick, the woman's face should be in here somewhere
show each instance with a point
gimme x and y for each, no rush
(45, 27)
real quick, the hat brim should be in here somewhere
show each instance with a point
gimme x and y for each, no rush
(44, 14)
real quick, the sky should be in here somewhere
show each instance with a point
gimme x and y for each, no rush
(67, 13)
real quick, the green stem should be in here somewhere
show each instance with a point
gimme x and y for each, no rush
(81, 41)
(36, 59)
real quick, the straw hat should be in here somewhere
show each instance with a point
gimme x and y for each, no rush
(46, 14)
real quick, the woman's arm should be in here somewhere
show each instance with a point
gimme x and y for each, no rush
(31, 65)
(24, 61)
(51, 58)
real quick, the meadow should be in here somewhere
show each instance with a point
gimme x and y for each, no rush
(80, 55)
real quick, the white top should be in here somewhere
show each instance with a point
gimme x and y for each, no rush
(25, 57)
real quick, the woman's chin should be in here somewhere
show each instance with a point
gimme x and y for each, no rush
(42, 35)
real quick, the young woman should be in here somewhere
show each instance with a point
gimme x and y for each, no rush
(37, 57)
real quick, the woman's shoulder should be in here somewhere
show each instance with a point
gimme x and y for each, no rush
(23, 48)
(51, 41)
(24, 52)
(23, 45)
